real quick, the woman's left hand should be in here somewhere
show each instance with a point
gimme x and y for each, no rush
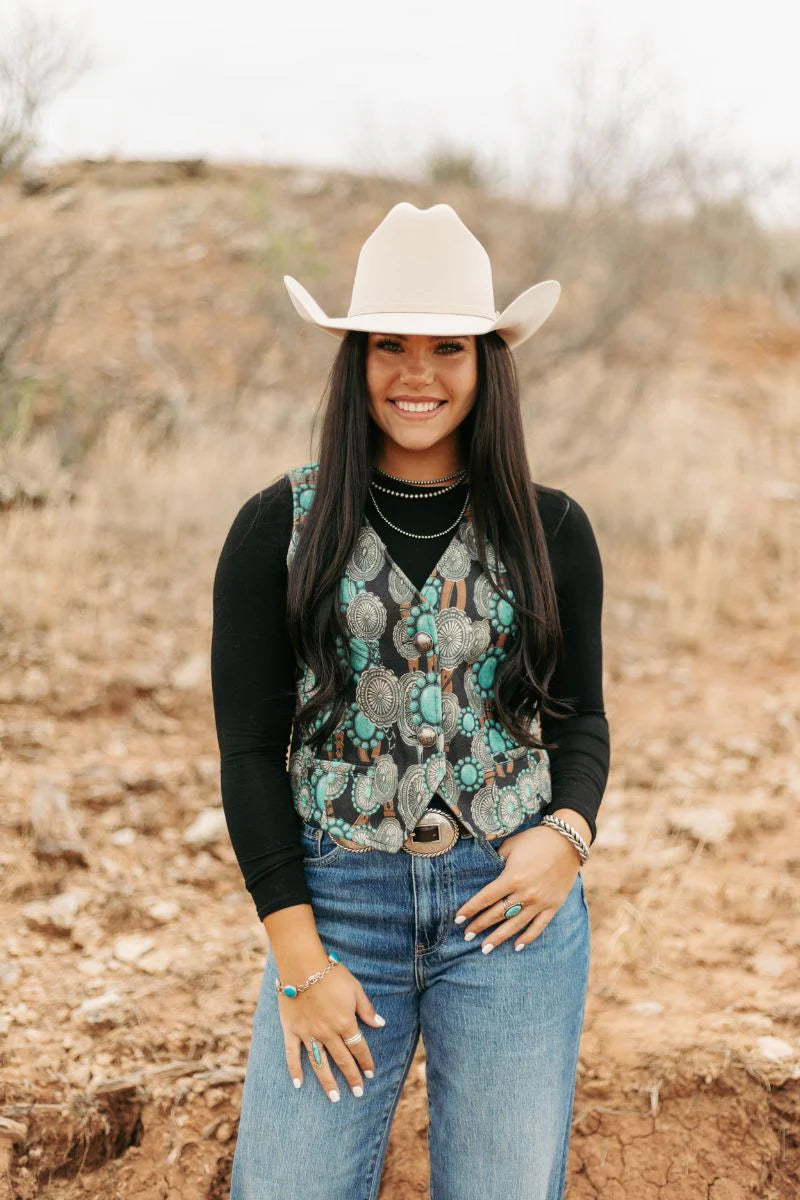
(541, 868)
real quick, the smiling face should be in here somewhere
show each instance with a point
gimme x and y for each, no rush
(420, 389)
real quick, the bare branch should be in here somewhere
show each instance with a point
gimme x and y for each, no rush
(39, 60)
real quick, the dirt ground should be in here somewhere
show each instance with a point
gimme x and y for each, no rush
(131, 955)
(130, 975)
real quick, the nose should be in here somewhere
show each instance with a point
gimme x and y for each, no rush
(418, 365)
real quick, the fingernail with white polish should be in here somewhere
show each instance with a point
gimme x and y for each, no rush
(369, 1074)
(358, 1091)
(460, 920)
(469, 936)
(297, 1082)
(334, 1095)
(487, 948)
(379, 1019)
(520, 946)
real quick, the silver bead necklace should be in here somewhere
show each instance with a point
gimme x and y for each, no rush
(457, 478)
(416, 495)
(423, 482)
(425, 536)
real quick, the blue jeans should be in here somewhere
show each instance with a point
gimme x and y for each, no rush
(500, 1030)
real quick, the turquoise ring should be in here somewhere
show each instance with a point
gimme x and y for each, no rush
(512, 910)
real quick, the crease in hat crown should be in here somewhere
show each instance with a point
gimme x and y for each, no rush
(423, 271)
(442, 262)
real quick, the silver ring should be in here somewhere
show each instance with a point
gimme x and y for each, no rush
(508, 904)
(357, 1037)
(316, 1054)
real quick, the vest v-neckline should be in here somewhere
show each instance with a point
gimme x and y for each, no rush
(419, 592)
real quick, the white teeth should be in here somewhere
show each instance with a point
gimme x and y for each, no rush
(408, 407)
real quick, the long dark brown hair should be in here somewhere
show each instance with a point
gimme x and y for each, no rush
(504, 512)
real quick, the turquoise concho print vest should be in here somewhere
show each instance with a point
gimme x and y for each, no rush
(420, 716)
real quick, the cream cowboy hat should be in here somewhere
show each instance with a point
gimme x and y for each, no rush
(422, 271)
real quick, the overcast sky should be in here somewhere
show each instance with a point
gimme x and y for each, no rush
(372, 84)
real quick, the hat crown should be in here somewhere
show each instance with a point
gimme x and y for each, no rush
(423, 260)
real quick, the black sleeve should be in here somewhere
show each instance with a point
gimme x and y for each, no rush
(253, 687)
(580, 765)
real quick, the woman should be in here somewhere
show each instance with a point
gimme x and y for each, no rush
(419, 624)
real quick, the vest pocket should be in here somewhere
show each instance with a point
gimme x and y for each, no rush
(318, 845)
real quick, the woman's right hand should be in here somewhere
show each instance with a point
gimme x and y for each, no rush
(328, 1011)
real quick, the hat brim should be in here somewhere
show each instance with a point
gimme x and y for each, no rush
(517, 322)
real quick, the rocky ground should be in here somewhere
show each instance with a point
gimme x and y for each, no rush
(132, 956)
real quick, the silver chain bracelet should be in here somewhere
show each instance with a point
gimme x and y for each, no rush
(569, 831)
(289, 989)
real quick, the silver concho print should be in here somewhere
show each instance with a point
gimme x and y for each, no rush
(455, 563)
(400, 588)
(533, 782)
(300, 764)
(473, 695)
(543, 783)
(453, 631)
(451, 710)
(480, 639)
(334, 777)
(412, 796)
(304, 800)
(366, 616)
(402, 643)
(407, 683)
(367, 558)
(365, 797)
(483, 809)
(484, 594)
(307, 683)
(466, 531)
(447, 787)
(509, 807)
(390, 835)
(384, 778)
(378, 696)
(479, 749)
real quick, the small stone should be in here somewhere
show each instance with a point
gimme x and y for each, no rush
(191, 673)
(164, 910)
(131, 946)
(773, 1048)
(772, 964)
(123, 837)
(101, 1010)
(208, 827)
(647, 1008)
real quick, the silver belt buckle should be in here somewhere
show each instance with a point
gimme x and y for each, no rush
(435, 832)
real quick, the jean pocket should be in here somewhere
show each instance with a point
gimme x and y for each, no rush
(492, 851)
(319, 846)
(492, 847)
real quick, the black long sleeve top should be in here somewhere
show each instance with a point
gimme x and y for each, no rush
(253, 668)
